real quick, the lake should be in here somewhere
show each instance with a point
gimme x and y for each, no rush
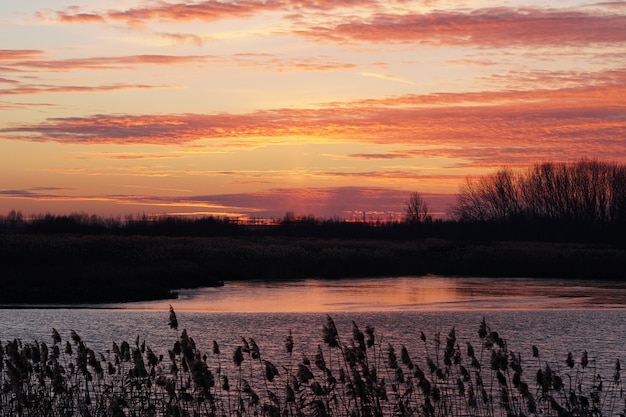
(557, 316)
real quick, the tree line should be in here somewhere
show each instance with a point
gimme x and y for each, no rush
(585, 192)
(582, 200)
(551, 201)
(289, 225)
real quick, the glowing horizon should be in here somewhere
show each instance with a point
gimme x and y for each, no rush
(326, 108)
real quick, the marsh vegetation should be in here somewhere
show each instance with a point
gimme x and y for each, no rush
(108, 268)
(562, 220)
(357, 374)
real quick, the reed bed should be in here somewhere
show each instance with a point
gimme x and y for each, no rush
(356, 375)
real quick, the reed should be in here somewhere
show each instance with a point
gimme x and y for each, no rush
(356, 375)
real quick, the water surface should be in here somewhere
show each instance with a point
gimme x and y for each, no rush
(558, 316)
(427, 293)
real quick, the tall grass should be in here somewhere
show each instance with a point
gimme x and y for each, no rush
(345, 375)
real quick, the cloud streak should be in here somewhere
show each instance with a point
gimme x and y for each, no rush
(105, 63)
(488, 118)
(39, 62)
(26, 89)
(326, 202)
(385, 77)
(9, 55)
(492, 27)
(208, 11)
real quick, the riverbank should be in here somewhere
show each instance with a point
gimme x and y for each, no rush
(60, 268)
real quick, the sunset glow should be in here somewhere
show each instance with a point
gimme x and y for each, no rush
(330, 108)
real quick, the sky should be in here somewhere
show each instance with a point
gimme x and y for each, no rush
(331, 108)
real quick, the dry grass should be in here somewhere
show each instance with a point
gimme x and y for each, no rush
(355, 376)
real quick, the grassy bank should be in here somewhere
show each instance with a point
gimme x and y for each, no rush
(59, 268)
(347, 375)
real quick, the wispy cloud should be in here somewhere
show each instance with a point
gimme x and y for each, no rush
(7, 105)
(491, 27)
(116, 62)
(393, 155)
(481, 156)
(343, 202)
(126, 156)
(488, 117)
(204, 10)
(268, 62)
(24, 89)
(183, 37)
(618, 4)
(8, 55)
(385, 77)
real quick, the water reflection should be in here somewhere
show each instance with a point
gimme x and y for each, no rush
(396, 294)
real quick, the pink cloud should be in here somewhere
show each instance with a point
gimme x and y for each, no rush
(484, 127)
(5, 105)
(8, 55)
(183, 37)
(493, 27)
(394, 155)
(120, 62)
(341, 202)
(24, 89)
(205, 10)
(80, 17)
(319, 63)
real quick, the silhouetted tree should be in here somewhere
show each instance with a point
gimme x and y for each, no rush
(15, 219)
(587, 195)
(417, 209)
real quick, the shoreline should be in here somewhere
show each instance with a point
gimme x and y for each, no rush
(75, 269)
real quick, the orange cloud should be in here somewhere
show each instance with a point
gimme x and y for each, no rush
(8, 55)
(121, 62)
(485, 156)
(183, 37)
(135, 157)
(319, 63)
(205, 10)
(80, 17)
(23, 89)
(382, 120)
(123, 156)
(314, 64)
(485, 127)
(492, 27)
(5, 105)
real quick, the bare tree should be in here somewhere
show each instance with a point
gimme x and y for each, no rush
(583, 192)
(417, 209)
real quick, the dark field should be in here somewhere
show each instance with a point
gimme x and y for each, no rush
(60, 268)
